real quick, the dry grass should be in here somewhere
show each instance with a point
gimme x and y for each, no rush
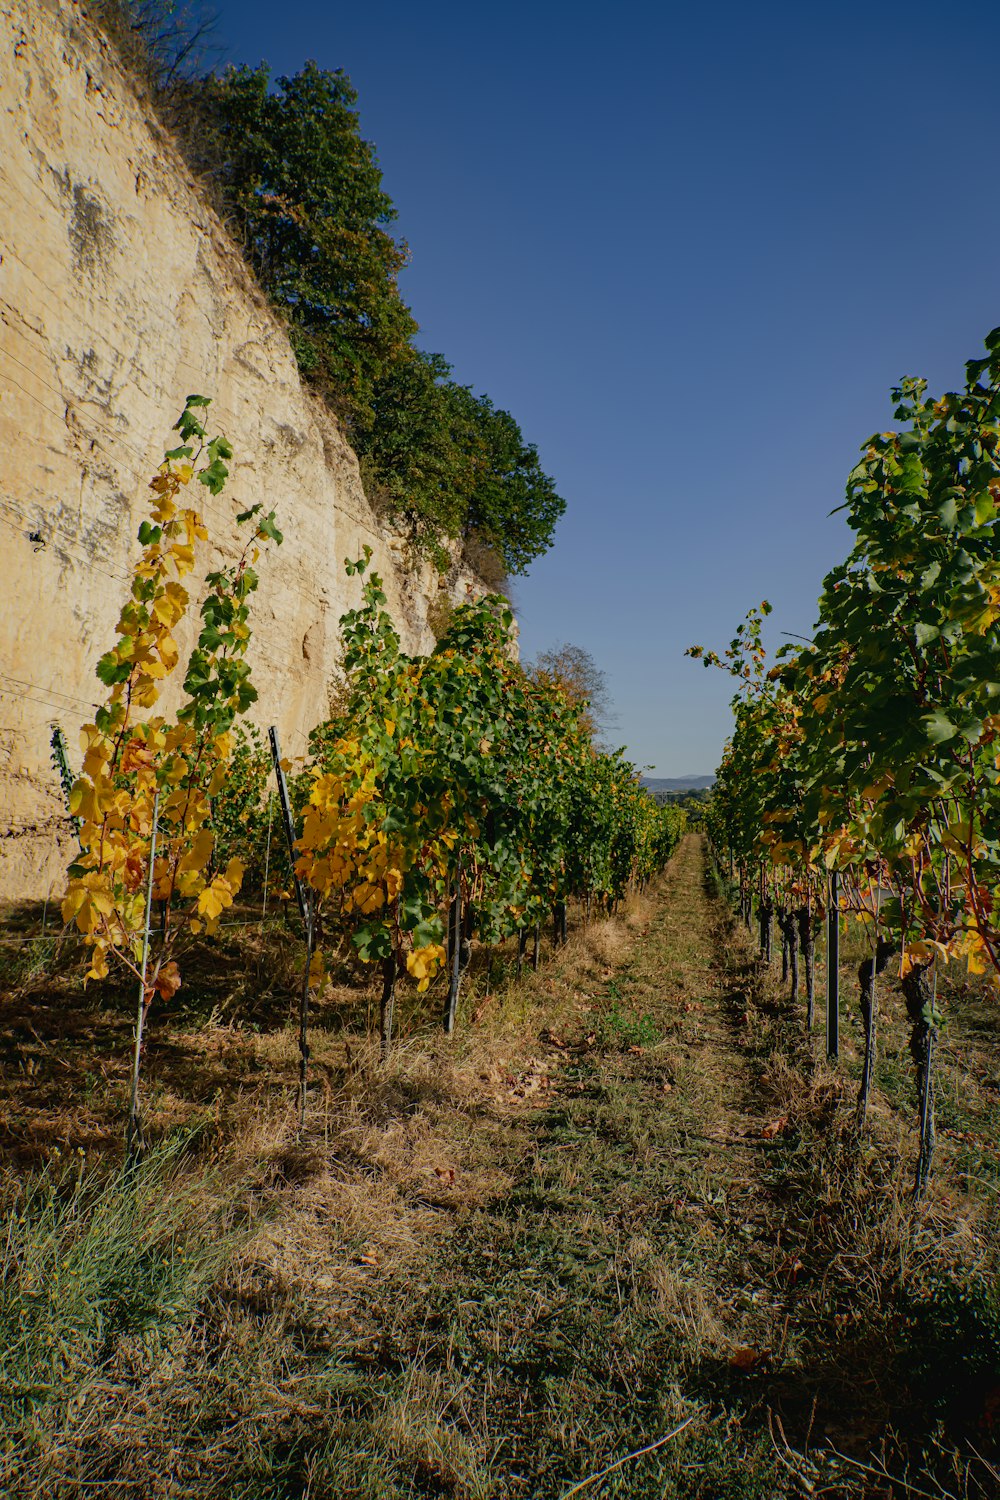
(689, 1307)
(394, 1154)
(492, 1265)
(871, 1280)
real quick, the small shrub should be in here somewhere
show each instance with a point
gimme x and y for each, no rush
(483, 559)
(440, 615)
(951, 1352)
(623, 1028)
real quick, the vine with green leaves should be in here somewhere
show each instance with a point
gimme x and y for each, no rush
(455, 798)
(871, 750)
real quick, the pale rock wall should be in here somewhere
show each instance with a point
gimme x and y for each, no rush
(120, 292)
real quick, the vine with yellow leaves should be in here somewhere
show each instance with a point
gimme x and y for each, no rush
(457, 798)
(453, 797)
(144, 797)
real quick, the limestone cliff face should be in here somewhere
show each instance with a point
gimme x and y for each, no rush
(120, 292)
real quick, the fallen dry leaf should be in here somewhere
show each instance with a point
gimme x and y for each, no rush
(747, 1359)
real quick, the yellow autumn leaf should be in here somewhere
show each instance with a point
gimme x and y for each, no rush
(88, 900)
(164, 510)
(144, 692)
(422, 963)
(183, 558)
(166, 609)
(928, 948)
(98, 963)
(95, 762)
(200, 852)
(978, 961)
(212, 903)
(78, 907)
(92, 802)
(368, 899)
(908, 962)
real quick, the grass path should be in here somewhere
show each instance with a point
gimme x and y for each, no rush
(603, 1299)
(623, 1203)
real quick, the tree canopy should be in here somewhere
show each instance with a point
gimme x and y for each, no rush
(304, 191)
(581, 681)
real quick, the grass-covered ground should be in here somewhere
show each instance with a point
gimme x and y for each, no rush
(624, 1210)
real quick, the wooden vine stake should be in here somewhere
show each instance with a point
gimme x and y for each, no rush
(919, 986)
(304, 898)
(133, 1128)
(807, 943)
(455, 935)
(267, 853)
(833, 969)
(387, 1004)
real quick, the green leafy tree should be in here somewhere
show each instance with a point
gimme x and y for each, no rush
(307, 193)
(304, 191)
(514, 505)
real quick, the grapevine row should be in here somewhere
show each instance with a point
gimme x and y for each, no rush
(450, 798)
(870, 751)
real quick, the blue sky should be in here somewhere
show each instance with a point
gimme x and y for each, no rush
(690, 248)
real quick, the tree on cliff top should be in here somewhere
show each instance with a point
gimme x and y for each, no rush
(305, 192)
(448, 459)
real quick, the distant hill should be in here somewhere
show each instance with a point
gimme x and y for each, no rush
(677, 783)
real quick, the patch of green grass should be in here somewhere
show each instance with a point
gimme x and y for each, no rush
(23, 960)
(622, 1027)
(91, 1261)
(950, 1352)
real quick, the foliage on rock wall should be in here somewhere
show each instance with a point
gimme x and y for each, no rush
(302, 190)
